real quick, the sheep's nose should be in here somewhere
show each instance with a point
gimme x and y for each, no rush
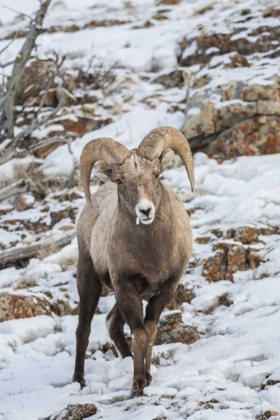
(146, 211)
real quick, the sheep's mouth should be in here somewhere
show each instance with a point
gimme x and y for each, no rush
(147, 221)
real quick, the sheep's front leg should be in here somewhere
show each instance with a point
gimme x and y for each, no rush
(153, 311)
(89, 288)
(130, 304)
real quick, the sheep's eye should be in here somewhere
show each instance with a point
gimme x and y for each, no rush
(157, 175)
(118, 181)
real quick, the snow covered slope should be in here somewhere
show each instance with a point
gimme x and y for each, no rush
(233, 371)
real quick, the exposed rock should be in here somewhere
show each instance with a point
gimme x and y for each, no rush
(209, 44)
(272, 11)
(227, 91)
(230, 258)
(24, 202)
(170, 80)
(225, 300)
(257, 92)
(50, 98)
(256, 136)
(246, 235)
(172, 330)
(201, 81)
(75, 125)
(75, 412)
(105, 22)
(65, 28)
(81, 125)
(267, 415)
(43, 152)
(62, 308)
(34, 79)
(236, 261)
(202, 240)
(168, 2)
(57, 216)
(202, 124)
(17, 34)
(182, 295)
(238, 60)
(20, 306)
(231, 114)
(228, 115)
(213, 267)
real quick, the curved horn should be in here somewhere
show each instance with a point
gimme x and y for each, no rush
(159, 139)
(105, 149)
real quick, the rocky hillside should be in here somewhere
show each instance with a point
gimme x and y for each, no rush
(120, 69)
(233, 103)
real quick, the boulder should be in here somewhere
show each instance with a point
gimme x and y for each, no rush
(34, 79)
(233, 105)
(229, 258)
(75, 412)
(170, 80)
(210, 43)
(182, 295)
(14, 306)
(246, 235)
(172, 330)
(167, 2)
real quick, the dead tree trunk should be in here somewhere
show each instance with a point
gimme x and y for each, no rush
(8, 99)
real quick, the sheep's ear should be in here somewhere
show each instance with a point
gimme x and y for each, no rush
(166, 158)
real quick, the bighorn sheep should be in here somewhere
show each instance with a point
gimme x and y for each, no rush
(135, 237)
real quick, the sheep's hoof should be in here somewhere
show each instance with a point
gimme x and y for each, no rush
(149, 378)
(137, 386)
(80, 379)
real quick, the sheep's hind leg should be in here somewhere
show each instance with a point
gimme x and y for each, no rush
(153, 311)
(115, 324)
(130, 305)
(89, 288)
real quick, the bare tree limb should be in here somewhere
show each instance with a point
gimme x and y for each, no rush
(9, 63)
(18, 13)
(38, 123)
(8, 101)
(7, 154)
(9, 43)
(55, 72)
(10, 151)
(21, 252)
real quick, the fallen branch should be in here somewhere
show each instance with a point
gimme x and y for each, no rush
(44, 143)
(22, 252)
(20, 187)
(15, 188)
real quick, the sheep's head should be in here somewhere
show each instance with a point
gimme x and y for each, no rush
(139, 185)
(137, 173)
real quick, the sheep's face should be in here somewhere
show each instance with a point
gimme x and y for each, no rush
(139, 186)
